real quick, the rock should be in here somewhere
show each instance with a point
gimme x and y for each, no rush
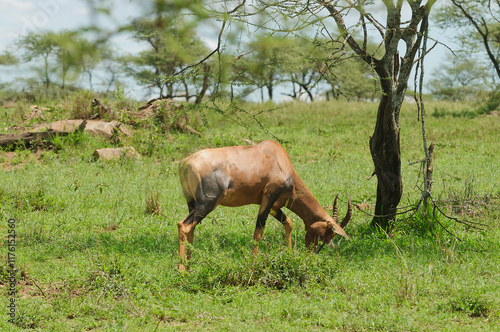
(116, 153)
(39, 108)
(106, 129)
(93, 127)
(62, 126)
(9, 104)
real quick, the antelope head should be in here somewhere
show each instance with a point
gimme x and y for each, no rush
(333, 226)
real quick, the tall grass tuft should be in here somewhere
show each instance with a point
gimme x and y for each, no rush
(153, 205)
(279, 270)
(33, 199)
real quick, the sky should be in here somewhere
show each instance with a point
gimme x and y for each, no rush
(23, 16)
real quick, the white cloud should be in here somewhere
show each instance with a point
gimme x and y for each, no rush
(21, 5)
(82, 11)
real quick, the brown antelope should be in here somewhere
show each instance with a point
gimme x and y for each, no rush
(256, 174)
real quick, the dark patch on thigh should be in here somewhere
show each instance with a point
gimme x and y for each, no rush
(212, 186)
(191, 205)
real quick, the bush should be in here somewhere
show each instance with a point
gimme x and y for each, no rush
(491, 104)
(173, 116)
(80, 105)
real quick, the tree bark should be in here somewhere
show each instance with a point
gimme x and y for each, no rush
(270, 91)
(386, 156)
(47, 79)
(199, 98)
(428, 174)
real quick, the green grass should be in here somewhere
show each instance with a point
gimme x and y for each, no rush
(97, 241)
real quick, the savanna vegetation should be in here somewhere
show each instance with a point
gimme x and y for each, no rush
(96, 241)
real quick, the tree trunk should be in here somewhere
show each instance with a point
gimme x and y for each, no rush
(186, 88)
(204, 88)
(309, 93)
(47, 80)
(89, 73)
(270, 91)
(385, 151)
(170, 90)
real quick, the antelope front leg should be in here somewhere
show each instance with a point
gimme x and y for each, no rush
(261, 223)
(257, 236)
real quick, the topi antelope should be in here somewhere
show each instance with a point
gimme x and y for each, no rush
(257, 174)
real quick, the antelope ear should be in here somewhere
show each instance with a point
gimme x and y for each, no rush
(340, 231)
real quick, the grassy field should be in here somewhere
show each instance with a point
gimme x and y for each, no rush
(96, 245)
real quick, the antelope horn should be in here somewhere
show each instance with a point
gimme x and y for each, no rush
(335, 212)
(348, 216)
(335, 226)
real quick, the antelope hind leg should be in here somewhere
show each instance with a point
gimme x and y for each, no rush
(287, 224)
(186, 234)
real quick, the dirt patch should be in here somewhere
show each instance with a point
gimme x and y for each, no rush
(17, 160)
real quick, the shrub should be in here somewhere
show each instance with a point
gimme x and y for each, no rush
(80, 105)
(173, 116)
(491, 104)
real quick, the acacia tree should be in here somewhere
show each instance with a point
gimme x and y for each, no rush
(172, 43)
(68, 53)
(476, 28)
(38, 47)
(65, 53)
(393, 71)
(263, 67)
(400, 41)
(460, 78)
(394, 75)
(305, 60)
(8, 59)
(477, 24)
